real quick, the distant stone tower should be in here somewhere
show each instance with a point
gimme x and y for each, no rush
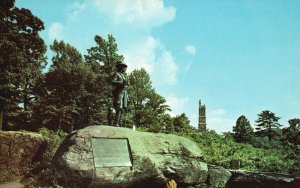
(202, 117)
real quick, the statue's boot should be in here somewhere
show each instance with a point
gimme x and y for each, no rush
(118, 118)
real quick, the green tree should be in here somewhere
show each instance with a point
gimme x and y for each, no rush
(266, 123)
(139, 91)
(65, 89)
(292, 133)
(181, 123)
(242, 131)
(21, 60)
(103, 58)
(148, 108)
(156, 109)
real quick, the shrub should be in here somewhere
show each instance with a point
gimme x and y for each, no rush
(40, 174)
(220, 150)
(54, 139)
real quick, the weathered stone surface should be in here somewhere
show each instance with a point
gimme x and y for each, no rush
(217, 176)
(258, 180)
(19, 149)
(156, 159)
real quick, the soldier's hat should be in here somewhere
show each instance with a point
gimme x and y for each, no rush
(120, 64)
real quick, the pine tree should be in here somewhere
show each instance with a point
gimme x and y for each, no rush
(266, 123)
(64, 91)
(146, 106)
(243, 132)
(103, 59)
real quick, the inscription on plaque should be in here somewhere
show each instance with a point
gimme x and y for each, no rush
(111, 152)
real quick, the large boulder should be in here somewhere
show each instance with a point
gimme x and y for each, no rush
(156, 159)
(18, 150)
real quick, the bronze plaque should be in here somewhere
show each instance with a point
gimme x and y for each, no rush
(111, 152)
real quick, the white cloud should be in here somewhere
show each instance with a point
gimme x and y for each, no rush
(190, 49)
(76, 8)
(150, 13)
(219, 112)
(152, 55)
(131, 23)
(141, 55)
(55, 31)
(218, 120)
(176, 104)
(166, 68)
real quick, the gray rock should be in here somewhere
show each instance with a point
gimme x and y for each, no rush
(217, 176)
(260, 180)
(156, 159)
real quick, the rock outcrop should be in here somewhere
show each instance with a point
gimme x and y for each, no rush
(18, 150)
(217, 176)
(260, 180)
(156, 158)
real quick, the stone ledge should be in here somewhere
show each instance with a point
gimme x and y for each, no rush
(19, 149)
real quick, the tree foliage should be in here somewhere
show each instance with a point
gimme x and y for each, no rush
(242, 131)
(220, 150)
(292, 133)
(147, 107)
(103, 59)
(21, 60)
(64, 89)
(266, 123)
(181, 123)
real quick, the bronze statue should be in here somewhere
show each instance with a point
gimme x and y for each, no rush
(120, 96)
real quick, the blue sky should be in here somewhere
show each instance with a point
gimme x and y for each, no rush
(238, 56)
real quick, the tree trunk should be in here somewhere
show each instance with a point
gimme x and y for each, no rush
(270, 134)
(59, 122)
(1, 120)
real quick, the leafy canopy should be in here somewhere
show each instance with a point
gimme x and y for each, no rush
(21, 61)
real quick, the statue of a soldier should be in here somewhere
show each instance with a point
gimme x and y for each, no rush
(120, 96)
